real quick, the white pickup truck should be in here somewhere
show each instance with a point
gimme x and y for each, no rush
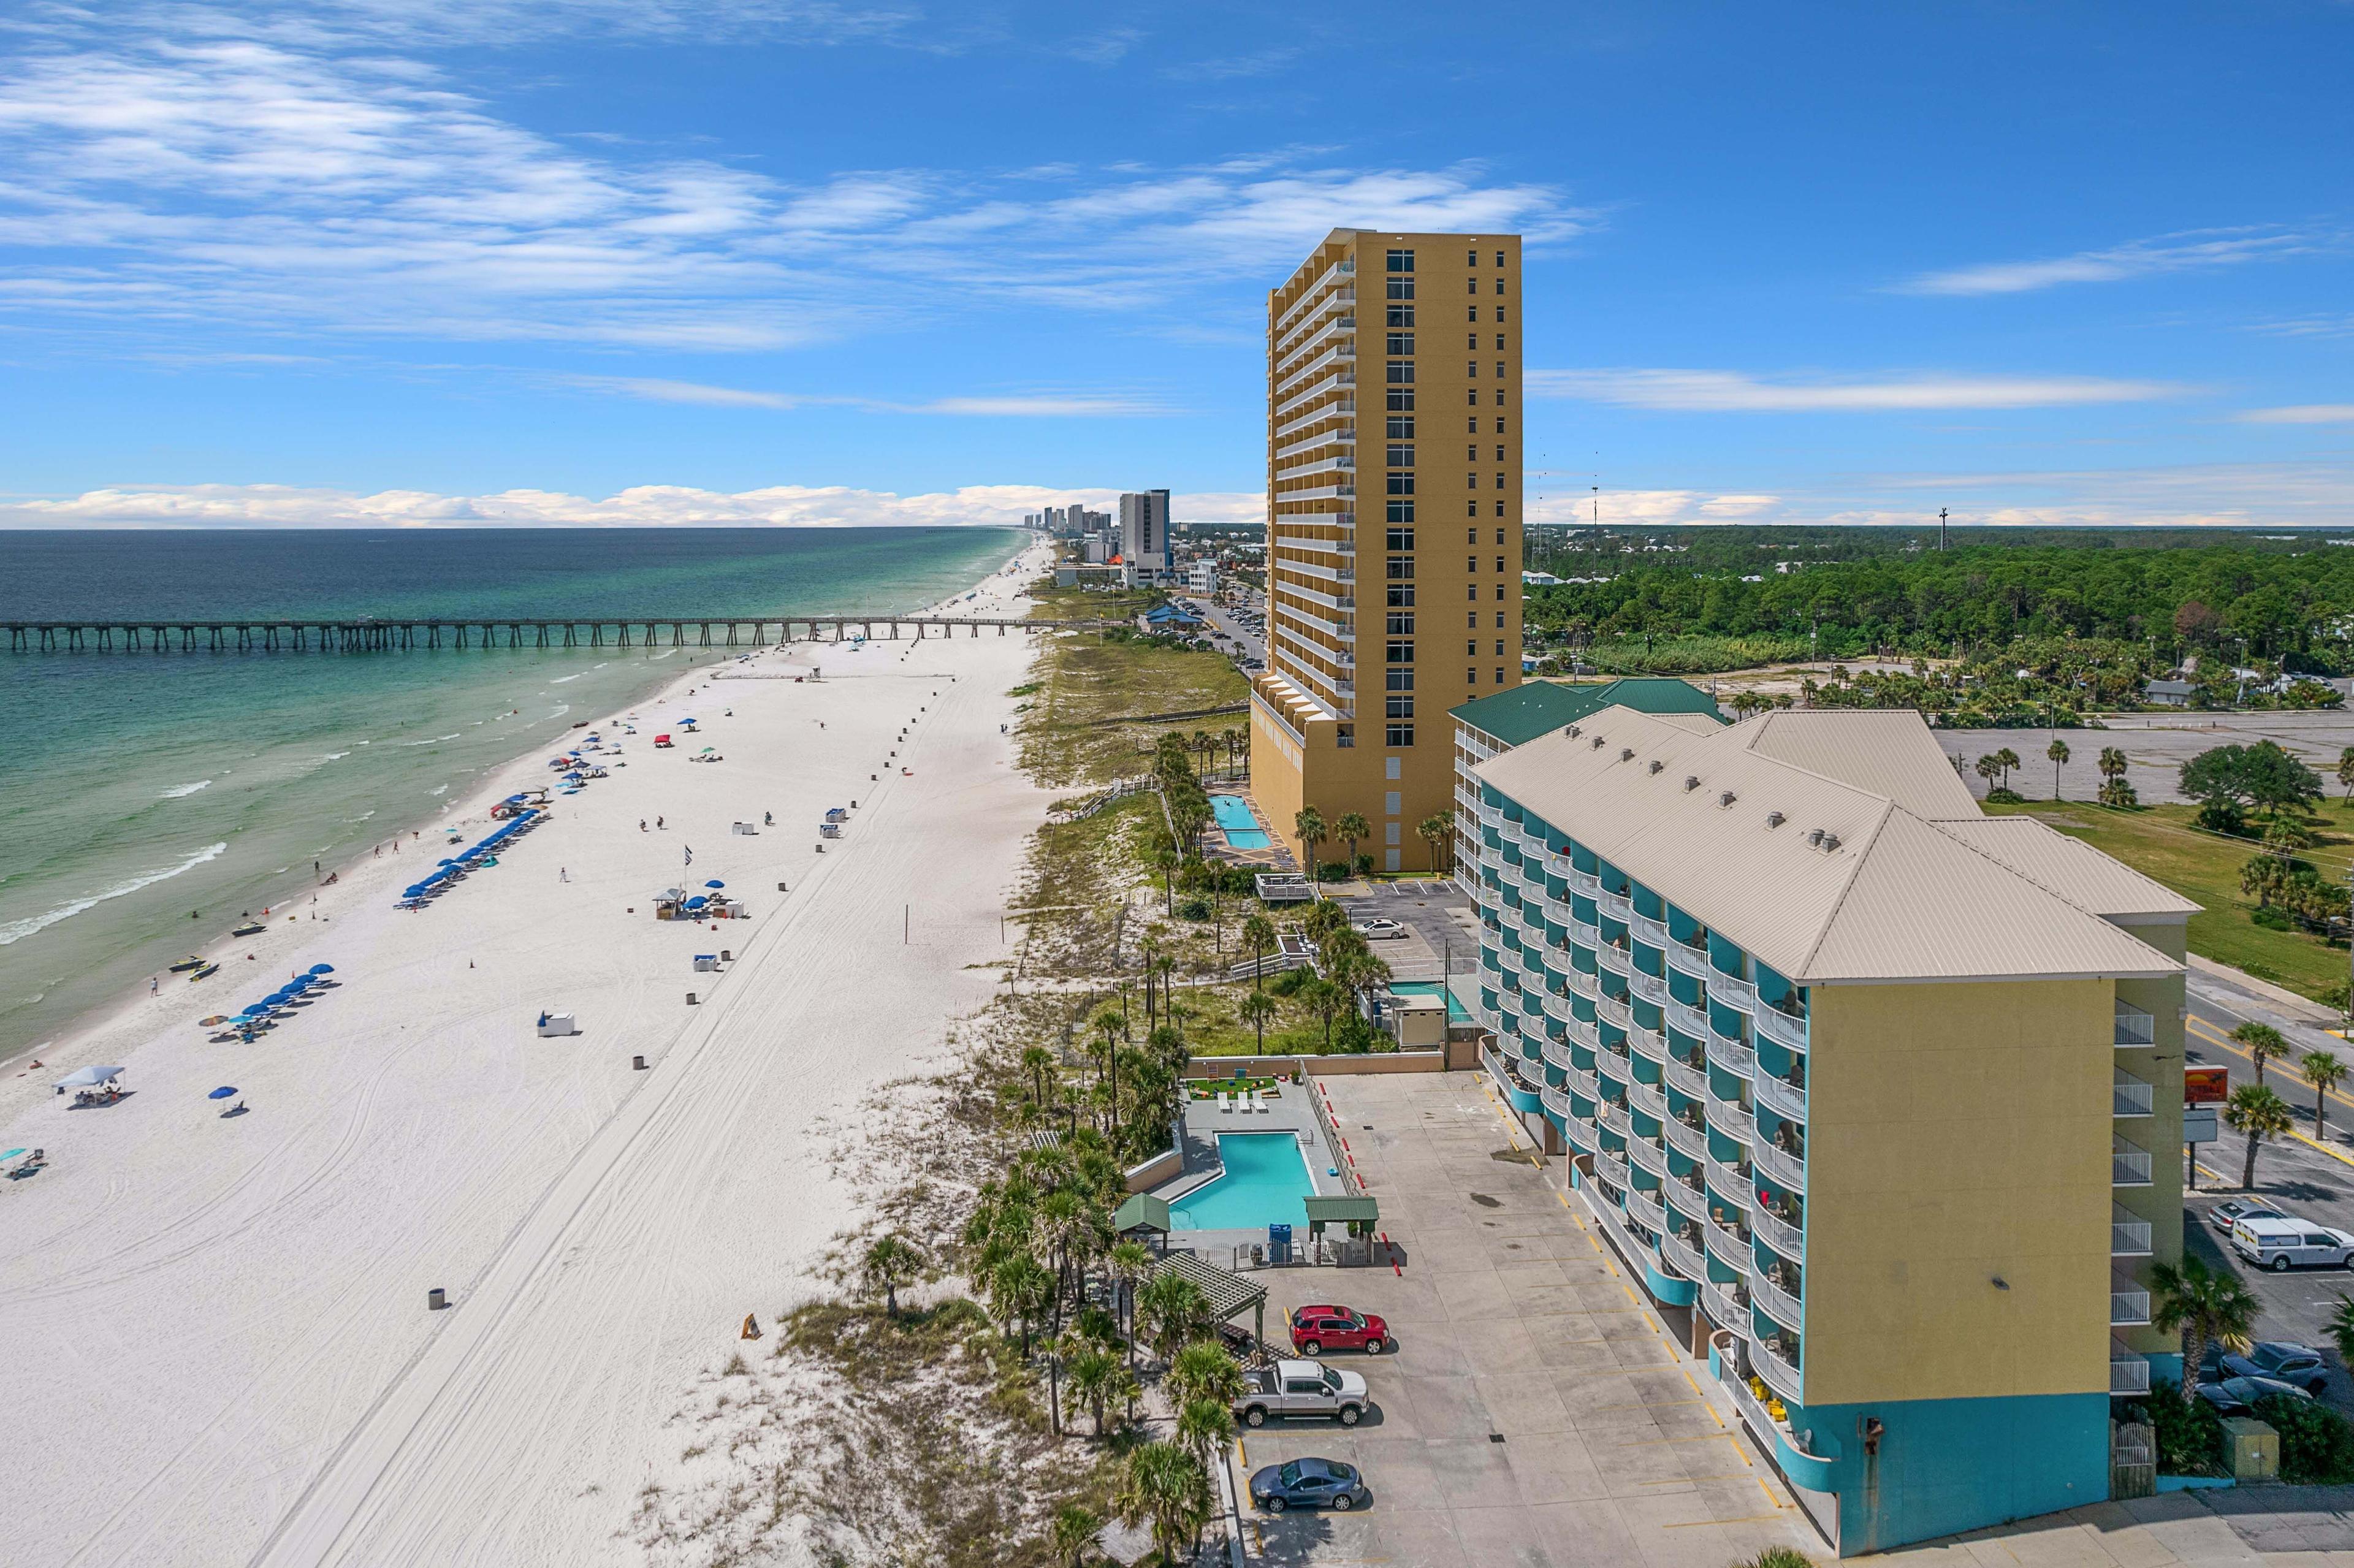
(1300, 1388)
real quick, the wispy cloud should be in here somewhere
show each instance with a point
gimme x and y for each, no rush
(2191, 250)
(278, 181)
(1073, 405)
(432, 25)
(2301, 414)
(1233, 68)
(1718, 391)
(643, 506)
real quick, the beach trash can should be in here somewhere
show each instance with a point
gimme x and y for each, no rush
(726, 956)
(436, 1299)
(706, 964)
(1278, 1244)
(690, 999)
(637, 1063)
(558, 1023)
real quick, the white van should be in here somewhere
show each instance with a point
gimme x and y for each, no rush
(2277, 1245)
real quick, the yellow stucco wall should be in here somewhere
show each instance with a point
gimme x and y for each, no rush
(1957, 1134)
(2160, 1203)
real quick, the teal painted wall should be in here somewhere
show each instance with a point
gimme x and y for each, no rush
(1950, 1465)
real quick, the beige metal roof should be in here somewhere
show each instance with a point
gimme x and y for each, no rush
(2072, 868)
(1882, 895)
(1888, 751)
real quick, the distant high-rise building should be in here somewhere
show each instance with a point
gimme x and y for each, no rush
(1144, 530)
(1388, 604)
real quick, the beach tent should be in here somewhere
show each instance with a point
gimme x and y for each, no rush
(89, 1078)
(715, 883)
(323, 969)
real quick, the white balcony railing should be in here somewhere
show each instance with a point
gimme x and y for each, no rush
(1692, 1086)
(1733, 1121)
(1736, 993)
(1613, 1011)
(1687, 1140)
(1778, 1026)
(1785, 1170)
(1648, 1043)
(1648, 1156)
(2128, 1373)
(1681, 1255)
(1585, 882)
(1775, 1302)
(2132, 1097)
(1583, 933)
(1584, 1085)
(1785, 1099)
(1780, 1375)
(1685, 958)
(1556, 1104)
(1782, 1236)
(1723, 1307)
(1730, 1055)
(1644, 1210)
(1649, 1099)
(1728, 1247)
(1729, 1184)
(1647, 929)
(1685, 1199)
(2136, 1028)
(1612, 1169)
(1617, 961)
(1614, 1119)
(1616, 906)
(2129, 1164)
(1689, 1022)
(2129, 1238)
(1649, 988)
(2128, 1309)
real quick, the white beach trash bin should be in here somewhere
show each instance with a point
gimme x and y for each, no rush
(558, 1023)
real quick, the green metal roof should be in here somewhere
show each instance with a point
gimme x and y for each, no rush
(1533, 707)
(1336, 1211)
(1143, 1210)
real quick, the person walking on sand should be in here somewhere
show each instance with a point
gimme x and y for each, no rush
(562, 874)
(658, 821)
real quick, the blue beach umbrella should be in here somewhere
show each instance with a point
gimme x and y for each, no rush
(714, 883)
(221, 1094)
(323, 969)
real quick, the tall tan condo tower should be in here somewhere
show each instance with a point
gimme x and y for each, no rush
(1393, 525)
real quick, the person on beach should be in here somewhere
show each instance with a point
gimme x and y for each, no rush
(562, 874)
(641, 824)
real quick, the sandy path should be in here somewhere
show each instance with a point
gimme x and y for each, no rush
(218, 1340)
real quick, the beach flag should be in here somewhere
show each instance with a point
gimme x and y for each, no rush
(689, 857)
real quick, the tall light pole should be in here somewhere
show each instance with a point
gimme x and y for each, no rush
(1941, 530)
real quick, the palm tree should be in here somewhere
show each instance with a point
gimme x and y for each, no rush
(1131, 1264)
(1258, 939)
(2325, 1072)
(2201, 1304)
(1036, 1061)
(2263, 1042)
(2005, 760)
(1308, 823)
(1435, 832)
(2341, 1327)
(2058, 752)
(1172, 1310)
(1165, 1487)
(2345, 770)
(1257, 1008)
(2264, 876)
(2255, 1113)
(1325, 1000)
(1204, 1370)
(1204, 1426)
(2112, 763)
(1019, 1288)
(1075, 1526)
(1087, 1381)
(890, 1263)
(1987, 767)
(1352, 826)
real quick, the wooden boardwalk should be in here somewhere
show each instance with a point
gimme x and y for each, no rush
(373, 634)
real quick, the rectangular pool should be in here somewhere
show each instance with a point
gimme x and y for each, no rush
(1233, 814)
(1265, 1181)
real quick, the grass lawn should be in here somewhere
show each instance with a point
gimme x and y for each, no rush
(2160, 842)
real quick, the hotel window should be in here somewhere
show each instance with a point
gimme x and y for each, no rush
(1499, 348)
(1473, 370)
(1401, 623)
(1398, 708)
(1499, 563)
(1400, 289)
(1471, 677)
(1401, 568)
(1401, 430)
(1401, 372)
(1344, 735)
(1499, 285)
(1401, 457)
(1500, 424)
(1399, 735)
(1500, 509)
(1500, 313)
(1401, 342)
(1499, 367)
(1401, 260)
(1401, 539)
(1473, 537)
(1500, 674)
(1500, 478)
(1472, 341)
(1401, 596)
(1471, 509)
(1401, 402)
(1473, 428)
(1470, 481)
(1500, 621)
(1471, 648)
(1470, 563)
(1401, 510)
(1471, 619)
(1500, 535)
(1499, 653)
(1401, 653)
(1475, 312)
(1401, 315)
(1472, 592)
(1470, 454)
(1474, 262)
(1401, 484)
(1400, 679)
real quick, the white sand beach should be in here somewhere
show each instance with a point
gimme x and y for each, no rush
(219, 1345)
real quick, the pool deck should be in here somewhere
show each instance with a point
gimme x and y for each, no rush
(1288, 1113)
(1272, 856)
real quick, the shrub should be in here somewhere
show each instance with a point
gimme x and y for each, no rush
(2003, 795)
(1194, 909)
(1777, 1557)
(2118, 793)
(2316, 1446)
(1333, 871)
(2223, 817)
(1288, 982)
(2272, 919)
(2190, 1437)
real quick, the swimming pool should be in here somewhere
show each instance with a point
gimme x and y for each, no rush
(1233, 815)
(1456, 1012)
(1265, 1178)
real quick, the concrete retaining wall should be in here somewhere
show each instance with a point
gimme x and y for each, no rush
(1319, 1067)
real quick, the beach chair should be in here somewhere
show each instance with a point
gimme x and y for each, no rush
(1223, 1107)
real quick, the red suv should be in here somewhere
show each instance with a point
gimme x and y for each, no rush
(1315, 1329)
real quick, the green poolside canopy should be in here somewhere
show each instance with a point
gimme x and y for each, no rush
(1363, 1212)
(1142, 1212)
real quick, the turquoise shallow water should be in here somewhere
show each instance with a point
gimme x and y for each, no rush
(1265, 1183)
(135, 789)
(1233, 815)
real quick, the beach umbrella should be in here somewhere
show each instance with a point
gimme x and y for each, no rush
(323, 969)
(221, 1094)
(445, 863)
(715, 883)
(215, 1020)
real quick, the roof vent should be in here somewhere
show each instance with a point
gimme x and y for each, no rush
(1626, 754)
(1571, 732)
(1692, 782)
(1597, 743)
(1725, 799)
(1830, 843)
(1816, 838)
(1774, 819)
(1657, 765)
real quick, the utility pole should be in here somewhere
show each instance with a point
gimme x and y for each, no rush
(1941, 530)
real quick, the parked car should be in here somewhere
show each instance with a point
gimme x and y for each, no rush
(1380, 928)
(2281, 1361)
(2238, 1396)
(2223, 1216)
(1316, 1328)
(1308, 1483)
(1300, 1388)
(2280, 1244)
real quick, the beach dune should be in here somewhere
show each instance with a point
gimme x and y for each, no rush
(219, 1343)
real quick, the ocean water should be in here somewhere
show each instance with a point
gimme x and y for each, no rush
(137, 789)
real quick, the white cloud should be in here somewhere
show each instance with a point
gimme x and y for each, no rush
(2140, 257)
(643, 506)
(1078, 404)
(1715, 391)
(196, 174)
(2301, 414)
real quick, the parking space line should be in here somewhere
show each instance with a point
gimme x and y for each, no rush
(1712, 1523)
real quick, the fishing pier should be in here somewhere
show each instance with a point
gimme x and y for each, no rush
(371, 634)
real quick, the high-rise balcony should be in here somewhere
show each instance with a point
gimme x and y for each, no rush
(1684, 1079)
(1583, 983)
(1644, 1210)
(1739, 994)
(1686, 1139)
(1647, 1098)
(1647, 1155)
(1646, 929)
(2129, 1307)
(1648, 1043)
(1780, 1375)
(1585, 882)
(2129, 1163)
(1492, 817)
(1337, 489)
(1346, 408)
(1315, 297)
(1555, 1103)
(1685, 958)
(1341, 353)
(1556, 1006)
(1724, 1308)
(1775, 1302)
(2131, 1096)
(1728, 1245)
(1685, 1198)
(1730, 1055)
(1614, 1119)
(1689, 1020)
(1616, 959)
(1612, 1168)
(1731, 1186)
(1733, 1120)
(1784, 1030)
(2128, 1371)
(1616, 906)
(1334, 462)
(1332, 382)
(1681, 1255)
(1779, 1096)
(1582, 1133)
(1778, 1165)
(1649, 988)
(1557, 1054)
(2129, 1233)
(1613, 1011)
(1583, 1084)
(1557, 912)
(1780, 1234)
(1581, 1033)
(2136, 1029)
(1344, 435)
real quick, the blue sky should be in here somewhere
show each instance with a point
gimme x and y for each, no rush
(304, 262)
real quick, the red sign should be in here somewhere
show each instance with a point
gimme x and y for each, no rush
(2206, 1086)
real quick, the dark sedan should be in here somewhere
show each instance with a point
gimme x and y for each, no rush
(2238, 1396)
(1308, 1483)
(2284, 1363)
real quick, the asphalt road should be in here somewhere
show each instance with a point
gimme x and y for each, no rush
(2310, 1172)
(1253, 648)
